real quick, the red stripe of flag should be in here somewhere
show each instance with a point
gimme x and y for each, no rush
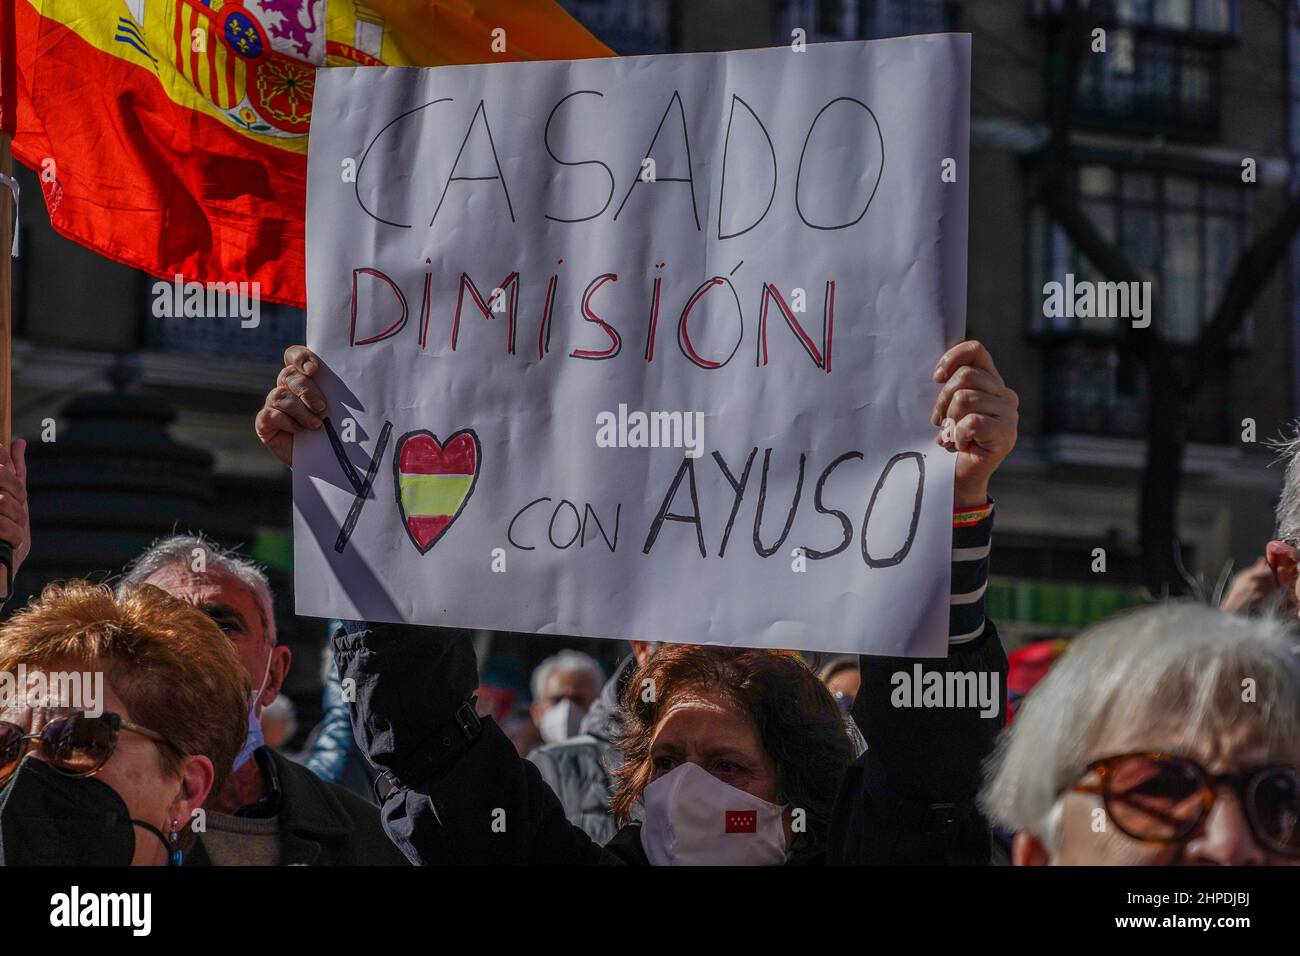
(194, 54)
(456, 458)
(427, 527)
(180, 49)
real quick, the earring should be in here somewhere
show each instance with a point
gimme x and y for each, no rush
(176, 857)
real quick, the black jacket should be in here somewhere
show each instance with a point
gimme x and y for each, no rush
(463, 795)
(911, 798)
(321, 824)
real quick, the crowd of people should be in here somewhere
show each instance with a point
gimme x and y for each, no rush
(1164, 735)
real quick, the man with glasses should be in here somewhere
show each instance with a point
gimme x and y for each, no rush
(1169, 735)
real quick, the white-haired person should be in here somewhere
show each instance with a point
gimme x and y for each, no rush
(1168, 735)
(580, 769)
(564, 687)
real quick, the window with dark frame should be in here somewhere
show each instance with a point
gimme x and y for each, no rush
(1161, 85)
(1186, 232)
(1160, 71)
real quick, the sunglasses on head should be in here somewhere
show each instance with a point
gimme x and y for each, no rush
(73, 743)
(1163, 798)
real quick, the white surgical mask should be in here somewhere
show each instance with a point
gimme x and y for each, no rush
(693, 818)
(254, 739)
(561, 721)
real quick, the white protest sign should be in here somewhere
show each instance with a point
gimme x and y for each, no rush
(638, 348)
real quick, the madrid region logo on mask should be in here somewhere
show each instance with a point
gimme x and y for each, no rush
(741, 821)
(693, 818)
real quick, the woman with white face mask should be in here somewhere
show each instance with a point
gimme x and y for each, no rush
(710, 785)
(731, 757)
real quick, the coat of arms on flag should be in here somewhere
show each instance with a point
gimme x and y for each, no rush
(255, 60)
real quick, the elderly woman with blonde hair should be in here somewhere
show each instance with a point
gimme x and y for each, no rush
(130, 712)
(1165, 736)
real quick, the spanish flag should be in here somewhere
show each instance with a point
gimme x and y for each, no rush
(171, 135)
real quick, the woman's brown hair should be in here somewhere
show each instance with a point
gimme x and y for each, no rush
(168, 662)
(799, 723)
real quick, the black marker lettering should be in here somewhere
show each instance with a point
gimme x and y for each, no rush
(453, 178)
(738, 490)
(690, 173)
(510, 531)
(546, 140)
(901, 553)
(726, 147)
(687, 468)
(360, 487)
(762, 499)
(845, 524)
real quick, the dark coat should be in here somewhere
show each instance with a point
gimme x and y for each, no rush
(911, 798)
(321, 824)
(463, 795)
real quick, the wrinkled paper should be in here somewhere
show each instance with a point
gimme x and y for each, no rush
(638, 348)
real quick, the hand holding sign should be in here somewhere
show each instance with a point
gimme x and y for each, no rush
(977, 418)
(295, 404)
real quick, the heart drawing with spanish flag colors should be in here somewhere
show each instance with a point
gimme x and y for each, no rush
(434, 481)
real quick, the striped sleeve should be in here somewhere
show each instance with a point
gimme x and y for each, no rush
(972, 536)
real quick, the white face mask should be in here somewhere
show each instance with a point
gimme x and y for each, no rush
(561, 721)
(254, 739)
(693, 818)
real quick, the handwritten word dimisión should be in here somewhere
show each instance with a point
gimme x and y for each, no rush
(717, 294)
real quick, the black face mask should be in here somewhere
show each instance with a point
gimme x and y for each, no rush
(50, 819)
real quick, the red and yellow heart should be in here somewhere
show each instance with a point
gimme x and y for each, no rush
(434, 481)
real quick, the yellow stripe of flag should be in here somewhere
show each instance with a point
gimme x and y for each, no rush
(434, 494)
